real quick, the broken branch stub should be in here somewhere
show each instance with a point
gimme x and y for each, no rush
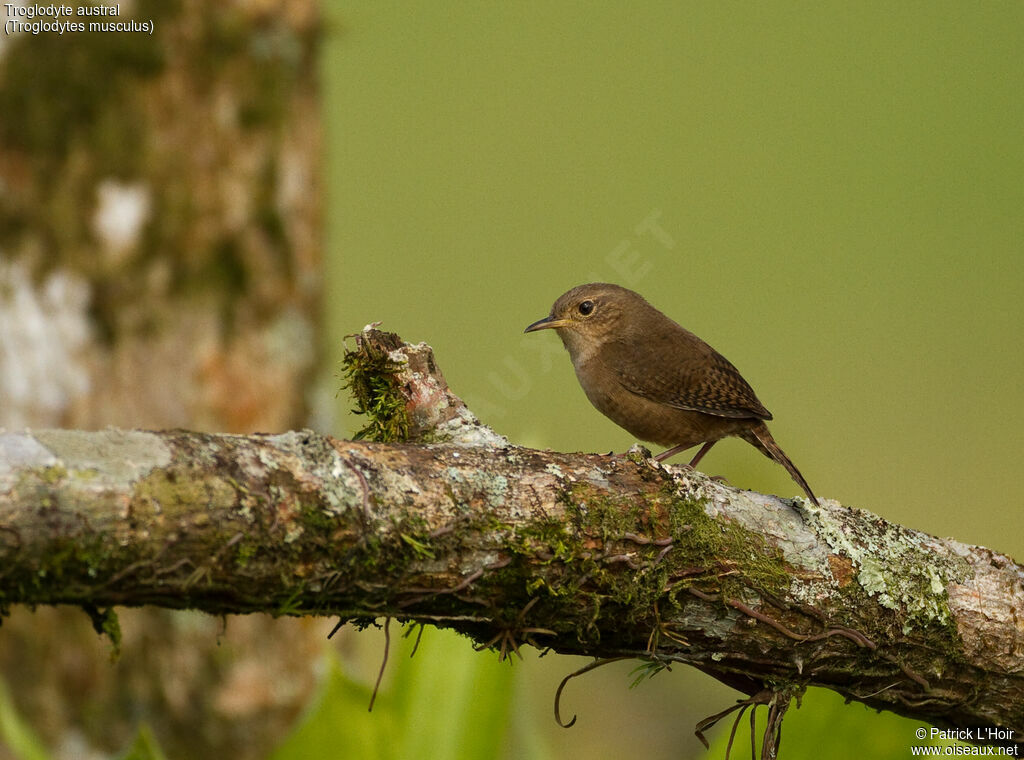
(402, 390)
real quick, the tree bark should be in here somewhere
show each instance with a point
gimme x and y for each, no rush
(607, 556)
(161, 266)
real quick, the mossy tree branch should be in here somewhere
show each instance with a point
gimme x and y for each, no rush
(599, 555)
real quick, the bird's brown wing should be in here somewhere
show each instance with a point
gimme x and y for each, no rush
(685, 373)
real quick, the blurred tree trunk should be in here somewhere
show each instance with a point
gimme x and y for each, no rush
(160, 267)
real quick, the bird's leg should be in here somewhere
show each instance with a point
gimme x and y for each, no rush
(676, 449)
(700, 454)
(671, 452)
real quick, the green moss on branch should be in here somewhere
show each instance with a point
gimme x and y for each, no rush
(370, 373)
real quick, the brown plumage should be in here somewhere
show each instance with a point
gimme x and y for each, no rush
(656, 379)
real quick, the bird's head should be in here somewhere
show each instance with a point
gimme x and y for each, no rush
(589, 315)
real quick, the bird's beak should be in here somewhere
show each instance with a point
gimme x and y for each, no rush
(547, 323)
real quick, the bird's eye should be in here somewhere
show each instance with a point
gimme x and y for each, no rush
(586, 307)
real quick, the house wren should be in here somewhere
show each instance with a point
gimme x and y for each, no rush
(657, 380)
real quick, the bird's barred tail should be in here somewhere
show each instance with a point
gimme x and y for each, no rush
(759, 437)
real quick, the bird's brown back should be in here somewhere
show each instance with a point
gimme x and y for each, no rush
(655, 358)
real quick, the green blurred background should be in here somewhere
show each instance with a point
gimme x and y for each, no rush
(830, 193)
(837, 190)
